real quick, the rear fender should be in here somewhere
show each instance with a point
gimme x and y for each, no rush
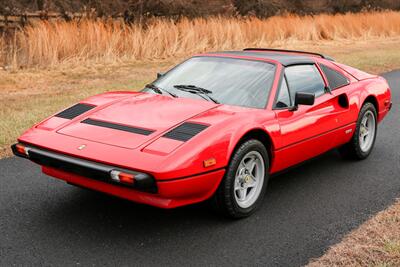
(378, 92)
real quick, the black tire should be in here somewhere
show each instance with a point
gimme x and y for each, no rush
(352, 150)
(224, 199)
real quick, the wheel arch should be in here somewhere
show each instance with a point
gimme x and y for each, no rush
(373, 100)
(260, 135)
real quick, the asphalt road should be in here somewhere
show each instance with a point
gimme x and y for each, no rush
(44, 221)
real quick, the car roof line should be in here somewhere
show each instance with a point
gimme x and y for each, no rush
(226, 55)
(250, 55)
(289, 51)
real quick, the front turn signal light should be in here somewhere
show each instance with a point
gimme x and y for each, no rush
(209, 162)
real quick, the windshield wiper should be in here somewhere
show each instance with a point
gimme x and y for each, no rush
(159, 90)
(196, 90)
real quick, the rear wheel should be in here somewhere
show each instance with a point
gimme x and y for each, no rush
(363, 140)
(243, 187)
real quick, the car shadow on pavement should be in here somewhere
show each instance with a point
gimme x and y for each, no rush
(306, 210)
(86, 204)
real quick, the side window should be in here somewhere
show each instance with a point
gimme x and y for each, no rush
(335, 79)
(304, 78)
(283, 99)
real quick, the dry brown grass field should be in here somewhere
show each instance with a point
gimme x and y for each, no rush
(375, 243)
(49, 44)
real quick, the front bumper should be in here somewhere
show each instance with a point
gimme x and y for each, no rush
(146, 189)
(86, 168)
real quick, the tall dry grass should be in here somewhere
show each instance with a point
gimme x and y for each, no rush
(46, 43)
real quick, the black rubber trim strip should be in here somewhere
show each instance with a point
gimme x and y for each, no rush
(74, 111)
(119, 127)
(86, 168)
(185, 131)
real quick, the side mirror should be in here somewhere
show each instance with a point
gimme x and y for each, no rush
(160, 74)
(302, 98)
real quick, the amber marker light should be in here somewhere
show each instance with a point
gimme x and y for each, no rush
(209, 162)
(126, 178)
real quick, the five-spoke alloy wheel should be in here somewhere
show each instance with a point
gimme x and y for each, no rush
(363, 140)
(367, 131)
(249, 179)
(243, 187)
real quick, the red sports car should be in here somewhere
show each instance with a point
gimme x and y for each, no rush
(214, 127)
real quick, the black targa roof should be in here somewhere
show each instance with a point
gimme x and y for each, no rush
(285, 58)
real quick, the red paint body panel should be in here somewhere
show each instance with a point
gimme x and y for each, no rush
(309, 148)
(52, 123)
(177, 166)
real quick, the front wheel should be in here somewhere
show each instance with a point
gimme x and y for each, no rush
(363, 140)
(243, 187)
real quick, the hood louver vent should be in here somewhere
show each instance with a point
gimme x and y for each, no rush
(74, 111)
(185, 131)
(119, 127)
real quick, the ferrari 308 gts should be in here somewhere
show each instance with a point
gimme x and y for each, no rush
(216, 127)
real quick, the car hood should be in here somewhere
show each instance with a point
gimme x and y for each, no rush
(135, 120)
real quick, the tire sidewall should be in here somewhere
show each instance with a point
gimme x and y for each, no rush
(356, 140)
(229, 179)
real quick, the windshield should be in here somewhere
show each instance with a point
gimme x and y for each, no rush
(224, 80)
